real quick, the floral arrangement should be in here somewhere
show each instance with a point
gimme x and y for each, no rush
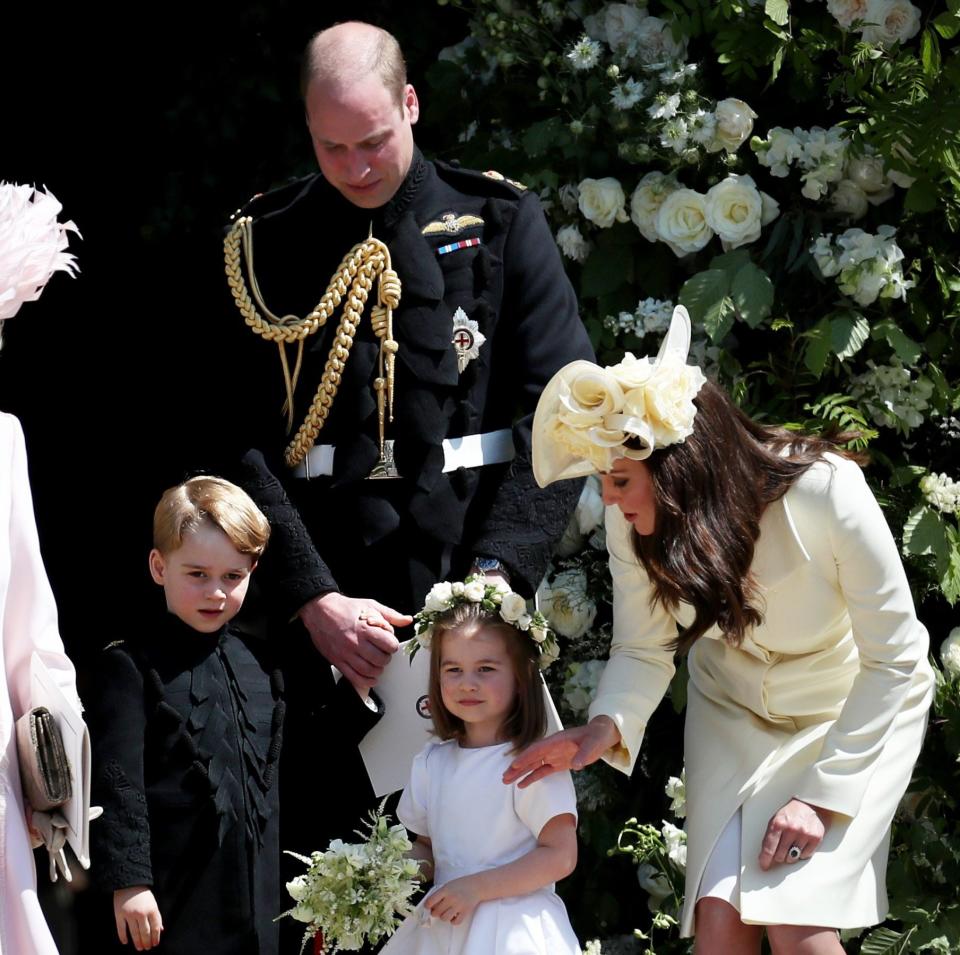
(494, 598)
(32, 244)
(355, 893)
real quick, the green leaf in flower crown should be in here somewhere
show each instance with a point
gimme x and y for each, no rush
(752, 293)
(885, 941)
(777, 10)
(925, 533)
(848, 332)
(818, 346)
(707, 297)
(907, 350)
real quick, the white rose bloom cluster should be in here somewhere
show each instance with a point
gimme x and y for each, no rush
(881, 22)
(676, 842)
(676, 789)
(941, 492)
(572, 243)
(950, 654)
(580, 686)
(651, 317)
(566, 602)
(867, 266)
(356, 892)
(602, 201)
(686, 220)
(892, 396)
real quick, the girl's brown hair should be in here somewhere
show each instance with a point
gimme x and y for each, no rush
(527, 720)
(711, 491)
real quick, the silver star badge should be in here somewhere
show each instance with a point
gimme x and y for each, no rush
(467, 339)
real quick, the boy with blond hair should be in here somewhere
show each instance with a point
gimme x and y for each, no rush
(186, 733)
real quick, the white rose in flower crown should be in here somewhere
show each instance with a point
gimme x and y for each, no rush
(950, 654)
(669, 401)
(572, 243)
(646, 200)
(890, 21)
(549, 654)
(523, 621)
(457, 587)
(512, 607)
(621, 23)
(474, 590)
(849, 200)
(439, 597)
(539, 634)
(846, 11)
(734, 211)
(733, 127)
(602, 201)
(682, 222)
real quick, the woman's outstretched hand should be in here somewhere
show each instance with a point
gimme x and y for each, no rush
(794, 832)
(569, 749)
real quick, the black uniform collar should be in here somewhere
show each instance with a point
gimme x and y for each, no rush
(392, 211)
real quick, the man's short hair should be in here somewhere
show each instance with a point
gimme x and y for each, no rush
(184, 508)
(325, 62)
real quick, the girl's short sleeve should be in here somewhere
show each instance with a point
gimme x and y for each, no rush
(538, 803)
(414, 802)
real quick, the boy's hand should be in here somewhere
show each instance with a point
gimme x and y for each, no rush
(354, 634)
(136, 912)
(455, 901)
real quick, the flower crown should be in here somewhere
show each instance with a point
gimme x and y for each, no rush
(494, 598)
(589, 416)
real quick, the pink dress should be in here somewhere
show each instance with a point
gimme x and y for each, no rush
(29, 622)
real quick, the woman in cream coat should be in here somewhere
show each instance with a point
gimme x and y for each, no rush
(809, 681)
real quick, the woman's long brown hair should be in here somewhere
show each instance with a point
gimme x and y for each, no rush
(711, 491)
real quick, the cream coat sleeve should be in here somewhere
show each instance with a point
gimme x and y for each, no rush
(641, 661)
(891, 642)
(30, 614)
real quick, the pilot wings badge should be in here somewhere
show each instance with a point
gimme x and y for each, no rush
(467, 339)
(451, 224)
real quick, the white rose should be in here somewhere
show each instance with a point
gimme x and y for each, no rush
(439, 597)
(475, 590)
(734, 125)
(734, 210)
(457, 588)
(602, 201)
(572, 244)
(682, 222)
(566, 605)
(303, 913)
(297, 889)
(849, 200)
(891, 21)
(655, 42)
(512, 607)
(846, 11)
(631, 372)
(523, 621)
(669, 401)
(646, 201)
(539, 634)
(950, 653)
(867, 173)
(621, 23)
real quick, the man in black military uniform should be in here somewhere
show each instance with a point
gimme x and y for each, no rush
(483, 317)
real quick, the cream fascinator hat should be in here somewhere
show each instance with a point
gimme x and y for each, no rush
(587, 414)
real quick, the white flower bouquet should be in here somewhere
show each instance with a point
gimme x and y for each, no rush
(355, 892)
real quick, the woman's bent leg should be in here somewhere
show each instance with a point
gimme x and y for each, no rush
(720, 931)
(803, 940)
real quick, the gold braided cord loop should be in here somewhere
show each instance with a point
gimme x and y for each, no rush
(351, 284)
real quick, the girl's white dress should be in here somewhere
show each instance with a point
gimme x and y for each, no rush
(456, 797)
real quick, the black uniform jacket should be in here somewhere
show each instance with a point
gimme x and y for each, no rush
(186, 735)
(392, 539)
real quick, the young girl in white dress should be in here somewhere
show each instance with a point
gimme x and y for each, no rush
(494, 850)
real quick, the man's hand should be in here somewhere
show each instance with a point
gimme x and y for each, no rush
(355, 634)
(569, 749)
(137, 916)
(794, 832)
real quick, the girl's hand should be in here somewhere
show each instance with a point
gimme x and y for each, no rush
(135, 910)
(455, 901)
(794, 833)
(569, 749)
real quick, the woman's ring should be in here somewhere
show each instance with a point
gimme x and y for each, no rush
(793, 853)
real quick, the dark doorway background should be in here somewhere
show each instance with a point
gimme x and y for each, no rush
(150, 128)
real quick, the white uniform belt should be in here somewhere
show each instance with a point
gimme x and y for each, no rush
(470, 451)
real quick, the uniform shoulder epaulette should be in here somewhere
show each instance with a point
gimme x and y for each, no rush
(487, 182)
(261, 203)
